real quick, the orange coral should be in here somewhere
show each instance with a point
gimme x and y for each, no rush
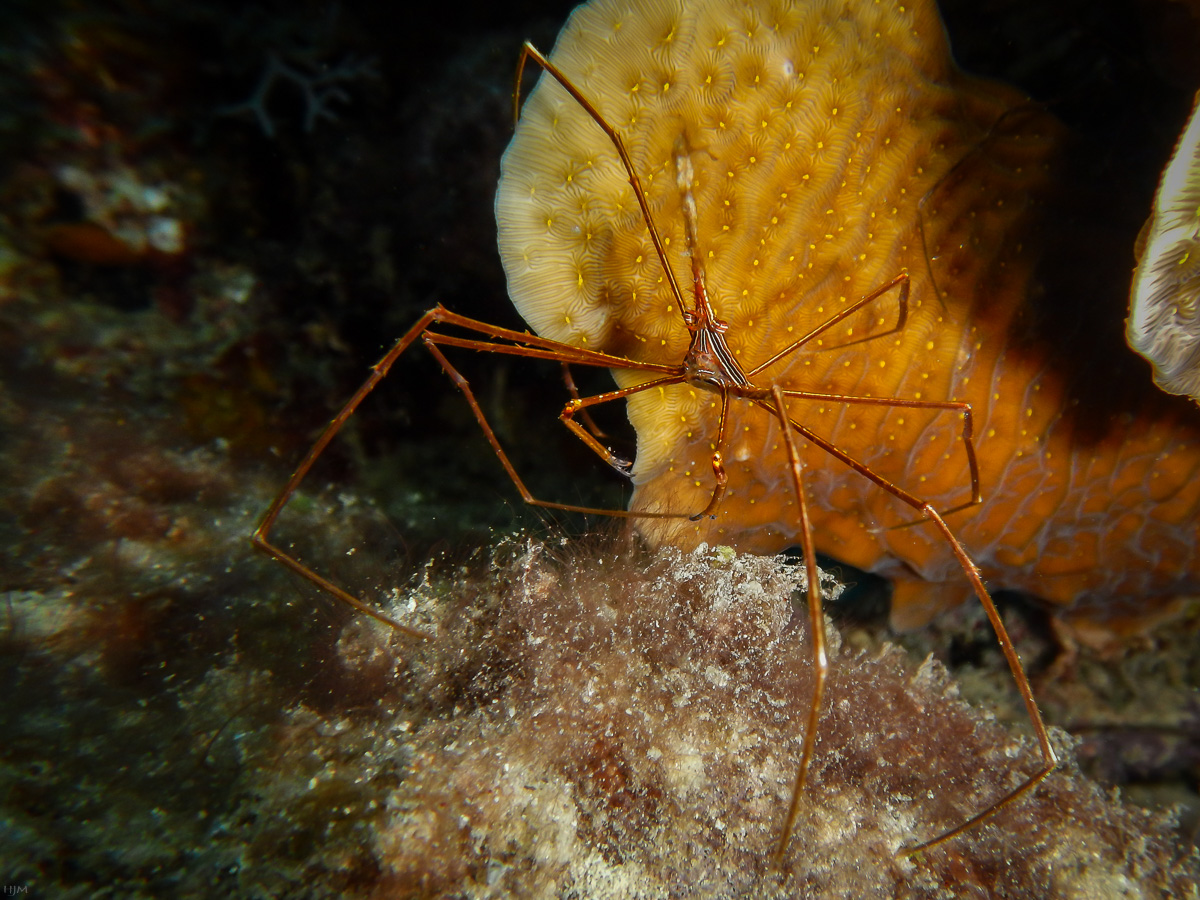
(834, 146)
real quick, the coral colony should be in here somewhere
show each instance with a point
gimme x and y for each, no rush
(834, 148)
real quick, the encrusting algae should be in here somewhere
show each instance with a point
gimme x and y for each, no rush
(834, 147)
(624, 726)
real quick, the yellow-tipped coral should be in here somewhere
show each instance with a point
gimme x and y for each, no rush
(835, 146)
(1164, 321)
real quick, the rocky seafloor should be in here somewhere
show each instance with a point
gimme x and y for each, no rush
(187, 295)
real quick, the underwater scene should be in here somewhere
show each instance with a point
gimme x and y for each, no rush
(795, 283)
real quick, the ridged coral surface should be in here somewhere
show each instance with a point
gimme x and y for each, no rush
(834, 146)
(1162, 323)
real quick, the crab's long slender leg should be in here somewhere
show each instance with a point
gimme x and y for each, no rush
(1049, 759)
(578, 406)
(569, 381)
(816, 617)
(432, 342)
(262, 535)
(498, 340)
(528, 51)
(966, 434)
(901, 281)
(718, 461)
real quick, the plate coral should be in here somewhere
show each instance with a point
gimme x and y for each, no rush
(835, 146)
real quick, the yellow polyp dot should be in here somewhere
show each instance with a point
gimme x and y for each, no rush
(991, 432)
(929, 345)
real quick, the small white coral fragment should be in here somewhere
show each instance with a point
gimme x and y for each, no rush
(1164, 322)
